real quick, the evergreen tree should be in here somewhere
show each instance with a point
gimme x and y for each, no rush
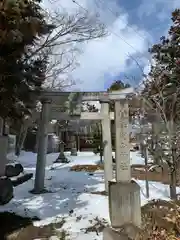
(115, 86)
(163, 81)
(118, 85)
(22, 26)
(163, 98)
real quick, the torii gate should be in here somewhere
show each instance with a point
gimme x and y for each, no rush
(52, 102)
(124, 194)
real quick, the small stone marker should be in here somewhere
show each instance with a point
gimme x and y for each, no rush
(61, 158)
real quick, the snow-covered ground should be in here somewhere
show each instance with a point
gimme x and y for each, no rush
(71, 194)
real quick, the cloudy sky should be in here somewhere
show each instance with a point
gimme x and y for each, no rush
(134, 25)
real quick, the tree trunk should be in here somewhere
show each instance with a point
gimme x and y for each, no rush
(173, 178)
(20, 138)
(172, 134)
(155, 146)
(146, 169)
(172, 185)
(1, 126)
(101, 155)
(142, 150)
(178, 173)
(101, 144)
(157, 150)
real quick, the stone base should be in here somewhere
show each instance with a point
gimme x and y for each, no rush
(61, 158)
(43, 191)
(73, 152)
(124, 204)
(126, 232)
(111, 234)
(6, 190)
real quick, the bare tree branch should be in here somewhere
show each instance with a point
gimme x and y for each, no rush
(62, 46)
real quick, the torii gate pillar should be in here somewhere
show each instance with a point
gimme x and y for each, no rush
(106, 135)
(42, 147)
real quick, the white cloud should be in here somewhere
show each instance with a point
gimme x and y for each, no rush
(149, 7)
(107, 55)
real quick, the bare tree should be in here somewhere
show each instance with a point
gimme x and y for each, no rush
(161, 108)
(61, 48)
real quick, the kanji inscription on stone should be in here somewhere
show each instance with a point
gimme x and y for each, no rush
(123, 171)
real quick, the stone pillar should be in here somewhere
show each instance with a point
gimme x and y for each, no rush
(106, 136)
(124, 194)
(3, 154)
(123, 167)
(73, 146)
(42, 147)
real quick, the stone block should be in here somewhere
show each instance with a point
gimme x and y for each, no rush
(62, 158)
(6, 190)
(112, 234)
(73, 152)
(13, 170)
(124, 203)
(3, 153)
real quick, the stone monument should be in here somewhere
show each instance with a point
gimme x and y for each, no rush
(124, 194)
(73, 146)
(62, 158)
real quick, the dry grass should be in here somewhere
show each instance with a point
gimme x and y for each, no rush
(87, 168)
(97, 225)
(161, 221)
(137, 172)
(14, 227)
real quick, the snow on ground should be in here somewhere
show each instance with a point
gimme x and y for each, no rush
(70, 195)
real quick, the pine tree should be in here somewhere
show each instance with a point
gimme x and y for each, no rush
(115, 86)
(163, 97)
(165, 73)
(22, 26)
(118, 85)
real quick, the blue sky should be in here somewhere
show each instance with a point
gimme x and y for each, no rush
(134, 25)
